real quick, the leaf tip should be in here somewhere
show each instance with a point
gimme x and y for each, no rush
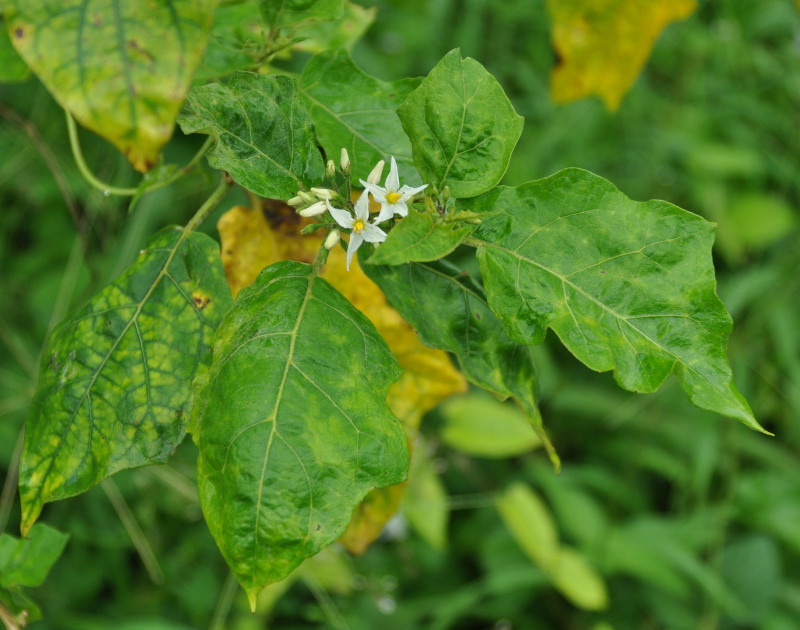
(252, 598)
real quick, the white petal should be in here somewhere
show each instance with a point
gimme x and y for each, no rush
(342, 217)
(353, 245)
(362, 207)
(400, 208)
(378, 192)
(412, 191)
(373, 234)
(375, 175)
(386, 212)
(393, 178)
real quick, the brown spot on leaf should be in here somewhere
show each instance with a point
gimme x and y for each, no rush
(477, 315)
(97, 19)
(19, 32)
(200, 300)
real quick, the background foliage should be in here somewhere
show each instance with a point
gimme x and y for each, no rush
(690, 519)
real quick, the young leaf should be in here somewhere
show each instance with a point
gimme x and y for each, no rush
(449, 311)
(292, 424)
(627, 286)
(529, 521)
(603, 45)
(27, 562)
(121, 68)
(418, 238)
(114, 387)
(462, 127)
(265, 137)
(356, 111)
(280, 13)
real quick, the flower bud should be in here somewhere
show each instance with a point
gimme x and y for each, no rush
(344, 162)
(323, 193)
(307, 197)
(314, 210)
(375, 176)
(330, 169)
(332, 239)
(295, 202)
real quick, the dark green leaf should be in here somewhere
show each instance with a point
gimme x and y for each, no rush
(462, 127)
(292, 423)
(265, 137)
(448, 310)
(115, 381)
(122, 68)
(627, 286)
(279, 13)
(417, 238)
(358, 112)
(27, 562)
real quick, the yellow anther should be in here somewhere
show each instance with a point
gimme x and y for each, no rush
(358, 225)
(393, 197)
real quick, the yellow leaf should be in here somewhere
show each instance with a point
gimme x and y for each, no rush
(251, 242)
(603, 44)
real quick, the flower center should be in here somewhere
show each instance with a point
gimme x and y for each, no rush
(393, 197)
(358, 225)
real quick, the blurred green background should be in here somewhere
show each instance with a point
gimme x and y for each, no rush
(692, 520)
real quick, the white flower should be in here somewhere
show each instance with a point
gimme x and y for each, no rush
(362, 229)
(392, 197)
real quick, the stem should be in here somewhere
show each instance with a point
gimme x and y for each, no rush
(10, 485)
(181, 172)
(202, 214)
(8, 619)
(134, 531)
(72, 129)
(472, 241)
(224, 603)
(319, 261)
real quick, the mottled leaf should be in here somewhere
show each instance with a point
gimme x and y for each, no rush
(418, 238)
(282, 13)
(250, 244)
(265, 137)
(358, 112)
(479, 425)
(27, 562)
(114, 387)
(602, 45)
(627, 286)
(12, 67)
(236, 36)
(448, 310)
(122, 67)
(292, 423)
(462, 127)
(343, 33)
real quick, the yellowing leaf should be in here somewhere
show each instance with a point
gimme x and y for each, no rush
(603, 44)
(251, 242)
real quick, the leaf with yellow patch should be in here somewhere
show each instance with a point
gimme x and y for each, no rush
(250, 242)
(603, 44)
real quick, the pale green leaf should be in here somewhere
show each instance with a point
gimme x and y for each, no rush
(292, 423)
(114, 387)
(358, 112)
(426, 504)
(578, 581)
(529, 521)
(481, 426)
(12, 67)
(27, 562)
(121, 67)
(282, 13)
(418, 238)
(627, 286)
(265, 137)
(462, 127)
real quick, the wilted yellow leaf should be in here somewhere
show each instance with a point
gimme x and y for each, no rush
(255, 238)
(603, 44)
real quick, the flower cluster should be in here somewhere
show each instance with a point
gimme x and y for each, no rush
(393, 199)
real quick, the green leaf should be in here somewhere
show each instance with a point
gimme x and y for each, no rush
(358, 112)
(27, 562)
(418, 238)
(448, 310)
(343, 33)
(627, 286)
(237, 36)
(462, 127)
(280, 13)
(114, 387)
(265, 137)
(292, 424)
(426, 504)
(12, 67)
(484, 427)
(578, 581)
(529, 521)
(122, 67)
